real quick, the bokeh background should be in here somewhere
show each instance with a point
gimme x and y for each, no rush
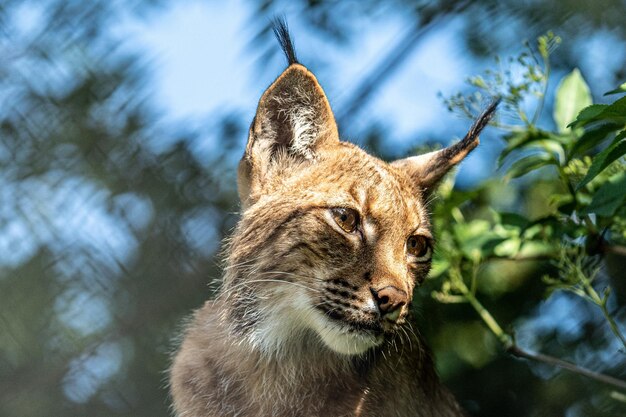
(121, 123)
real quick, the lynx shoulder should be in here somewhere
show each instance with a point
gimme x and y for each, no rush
(312, 318)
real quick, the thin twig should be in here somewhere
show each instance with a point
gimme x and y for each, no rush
(614, 249)
(516, 351)
(592, 295)
(511, 347)
(612, 324)
(521, 258)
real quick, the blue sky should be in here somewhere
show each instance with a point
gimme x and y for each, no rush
(202, 62)
(203, 65)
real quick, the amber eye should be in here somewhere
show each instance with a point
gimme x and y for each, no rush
(419, 247)
(346, 218)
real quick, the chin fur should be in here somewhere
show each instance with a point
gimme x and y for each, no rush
(343, 339)
(286, 328)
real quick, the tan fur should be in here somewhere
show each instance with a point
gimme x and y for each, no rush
(295, 330)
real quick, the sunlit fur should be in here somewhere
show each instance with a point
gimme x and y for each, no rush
(295, 329)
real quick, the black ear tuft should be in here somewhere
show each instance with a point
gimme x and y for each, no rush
(428, 169)
(279, 25)
(471, 138)
(483, 119)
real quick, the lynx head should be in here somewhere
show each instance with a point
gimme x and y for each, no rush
(332, 240)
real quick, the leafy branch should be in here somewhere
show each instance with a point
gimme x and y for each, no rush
(586, 216)
(467, 294)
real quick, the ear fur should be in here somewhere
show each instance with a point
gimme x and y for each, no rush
(293, 115)
(428, 169)
(292, 123)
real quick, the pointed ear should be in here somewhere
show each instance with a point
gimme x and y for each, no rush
(292, 123)
(428, 169)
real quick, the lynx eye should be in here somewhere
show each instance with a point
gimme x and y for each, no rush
(346, 218)
(419, 247)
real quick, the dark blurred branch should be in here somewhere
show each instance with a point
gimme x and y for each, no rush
(615, 249)
(522, 258)
(511, 347)
(516, 351)
(391, 62)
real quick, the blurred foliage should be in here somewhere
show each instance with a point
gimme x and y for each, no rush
(582, 225)
(110, 222)
(107, 221)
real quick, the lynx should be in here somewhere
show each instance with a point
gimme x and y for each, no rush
(313, 314)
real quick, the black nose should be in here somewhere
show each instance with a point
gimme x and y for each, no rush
(390, 300)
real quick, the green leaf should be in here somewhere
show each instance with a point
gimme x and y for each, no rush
(536, 248)
(548, 225)
(530, 163)
(587, 114)
(572, 95)
(614, 112)
(508, 248)
(513, 219)
(593, 136)
(552, 146)
(609, 197)
(613, 152)
(518, 140)
(440, 266)
(488, 247)
(564, 203)
(472, 236)
(568, 207)
(619, 90)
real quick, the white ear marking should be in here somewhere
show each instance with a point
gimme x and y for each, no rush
(300, 112)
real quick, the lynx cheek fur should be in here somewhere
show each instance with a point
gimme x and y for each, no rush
(312, 316)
